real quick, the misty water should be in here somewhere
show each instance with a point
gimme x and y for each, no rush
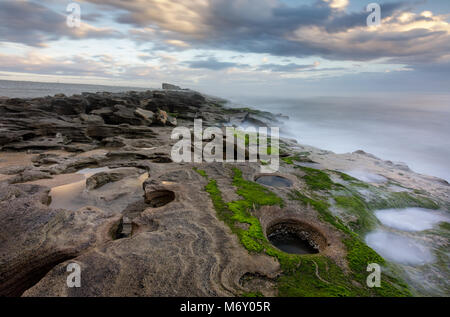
(414, 130)
(410, 219)
(399, 248)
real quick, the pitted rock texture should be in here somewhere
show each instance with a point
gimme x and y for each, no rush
(191, 253)
(34, 238)
(145, 226)
(162, 239)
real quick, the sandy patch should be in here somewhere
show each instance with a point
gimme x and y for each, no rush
(9, 159)
(59, 180)
(5, 177)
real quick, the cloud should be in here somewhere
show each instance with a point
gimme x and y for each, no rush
(35, 25)
(34, 62)
(415, 42)
(212, 64)
(184, 17)
(323, 28)
(337, 4)
(179, 38)
(280, 68)
(177, 43)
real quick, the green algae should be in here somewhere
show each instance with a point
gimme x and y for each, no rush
(303, 275)
(316, 179)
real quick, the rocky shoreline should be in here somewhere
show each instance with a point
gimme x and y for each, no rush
(89, 179)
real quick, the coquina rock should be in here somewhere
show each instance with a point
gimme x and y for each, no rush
(89, 180)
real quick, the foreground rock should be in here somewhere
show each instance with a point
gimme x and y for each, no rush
(35, 238)
(179, 249)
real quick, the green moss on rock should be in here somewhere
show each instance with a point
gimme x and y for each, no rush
(201, 172)
(402, 200)
(303, 275)
(365, 219)
(316, 179)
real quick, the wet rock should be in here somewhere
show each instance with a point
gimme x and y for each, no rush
(123, 115)
(67, 106)
(92, 119)
(100, 179)
(46, 159)
(361, 152)
(114, 142)
(12, 170)
(100, 132)
(145, 114)
(102, 112)
(29, 176)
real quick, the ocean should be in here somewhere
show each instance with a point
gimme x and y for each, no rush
(28, 89)
(413, 130)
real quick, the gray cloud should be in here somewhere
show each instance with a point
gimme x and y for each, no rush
(270, 27)
(247, 26)
(212, 64)
(244, 26)
(34, 24)
(280, 68)
(78, 66)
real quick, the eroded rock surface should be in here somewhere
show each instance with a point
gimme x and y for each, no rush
(129, 240)
(35, 238)
(179, 249)
(89, 179)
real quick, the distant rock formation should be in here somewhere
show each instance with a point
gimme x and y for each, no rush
(166, 86)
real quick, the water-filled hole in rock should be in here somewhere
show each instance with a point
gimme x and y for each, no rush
(295, 238)
(274, 181)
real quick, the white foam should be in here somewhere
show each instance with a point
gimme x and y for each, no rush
(399, 249)
(410, 219)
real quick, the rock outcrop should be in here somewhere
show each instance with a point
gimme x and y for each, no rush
(170, 87)
(127, 239)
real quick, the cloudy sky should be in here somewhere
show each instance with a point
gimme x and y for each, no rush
(277, 47)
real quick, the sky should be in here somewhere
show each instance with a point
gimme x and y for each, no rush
(283, 48)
